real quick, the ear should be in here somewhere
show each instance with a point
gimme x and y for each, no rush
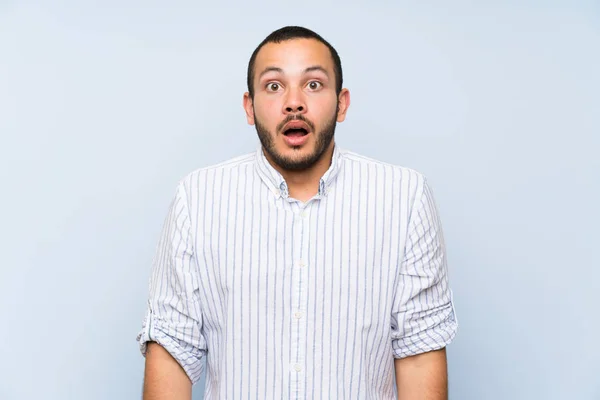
(249, 108)
(343, 103)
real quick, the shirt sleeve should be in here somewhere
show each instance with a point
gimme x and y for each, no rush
(423, 316)
(173, 317)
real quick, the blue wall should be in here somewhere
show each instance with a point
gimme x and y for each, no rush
(102, 110)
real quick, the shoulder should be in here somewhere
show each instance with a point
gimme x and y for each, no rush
(216, 171)
(409, 179)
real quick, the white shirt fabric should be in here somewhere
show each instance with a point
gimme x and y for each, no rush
(293, 300)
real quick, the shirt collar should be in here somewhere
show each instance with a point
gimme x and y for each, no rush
(276, 183)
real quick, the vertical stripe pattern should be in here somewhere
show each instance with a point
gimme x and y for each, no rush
(293, 300)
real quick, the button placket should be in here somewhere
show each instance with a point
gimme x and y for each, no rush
(298, 314)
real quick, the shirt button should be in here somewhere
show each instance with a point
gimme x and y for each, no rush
(304, 214)
(298, 367)
(301, 263)
(298, 314)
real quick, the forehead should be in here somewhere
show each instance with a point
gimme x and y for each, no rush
(294, 55)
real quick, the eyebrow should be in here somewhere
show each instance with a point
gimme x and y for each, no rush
(307, 70)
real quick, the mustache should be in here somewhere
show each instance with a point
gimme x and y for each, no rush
(298, 117)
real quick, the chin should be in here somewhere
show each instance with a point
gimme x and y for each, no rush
(298, 151)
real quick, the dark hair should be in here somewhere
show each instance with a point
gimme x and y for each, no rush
(289, 33)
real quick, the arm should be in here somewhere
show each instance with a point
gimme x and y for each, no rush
(423, 376)
(423, 319)
(172, 338)
(164, 378)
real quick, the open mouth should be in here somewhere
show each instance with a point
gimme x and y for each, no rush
(295, 132)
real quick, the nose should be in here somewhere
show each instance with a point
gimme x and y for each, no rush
(294, 102)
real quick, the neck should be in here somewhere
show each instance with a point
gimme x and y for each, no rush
(303, 185)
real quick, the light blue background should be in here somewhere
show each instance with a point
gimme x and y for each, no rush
(104, 108)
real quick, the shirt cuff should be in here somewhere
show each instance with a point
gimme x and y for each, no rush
(189, 357)
(432, 338)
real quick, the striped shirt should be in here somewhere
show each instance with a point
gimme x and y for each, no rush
(293, 300)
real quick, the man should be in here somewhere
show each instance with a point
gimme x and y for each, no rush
(301, 270)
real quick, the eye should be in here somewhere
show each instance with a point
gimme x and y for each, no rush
(314, 85)
(272, 87)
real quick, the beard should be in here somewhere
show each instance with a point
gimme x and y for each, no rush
(323, 140)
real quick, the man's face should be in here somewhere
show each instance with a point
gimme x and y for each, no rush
(295, 106)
